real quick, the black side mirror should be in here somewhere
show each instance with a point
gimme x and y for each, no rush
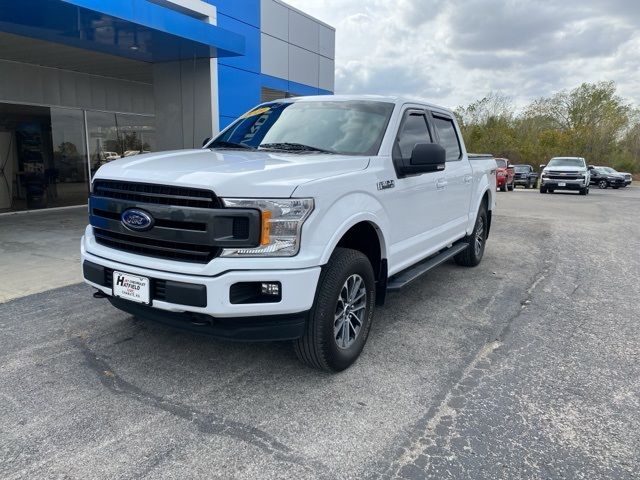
(425, 157)
(590, 167)
(205, 141)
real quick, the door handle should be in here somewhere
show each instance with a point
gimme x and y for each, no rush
(441, 184)
(468, 178)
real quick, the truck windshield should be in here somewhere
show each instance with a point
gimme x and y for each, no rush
(521, 168)
(344, 127)
(502, 163)
(566, 162)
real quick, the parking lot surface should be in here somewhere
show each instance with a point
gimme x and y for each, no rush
(524, 367)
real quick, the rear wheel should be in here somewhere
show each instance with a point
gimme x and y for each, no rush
(340, 319)
(472, 255)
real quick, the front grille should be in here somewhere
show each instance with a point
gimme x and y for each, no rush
(157, 194)
(155, 248)
(564, 176)
(189, 224)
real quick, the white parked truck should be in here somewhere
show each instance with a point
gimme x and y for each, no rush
(292, 224)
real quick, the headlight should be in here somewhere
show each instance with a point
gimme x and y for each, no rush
(502, 174)
(282, 221)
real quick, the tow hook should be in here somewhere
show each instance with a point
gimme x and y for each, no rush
(200, 320)
(99, 294)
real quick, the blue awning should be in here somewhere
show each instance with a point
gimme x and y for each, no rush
(136, 29)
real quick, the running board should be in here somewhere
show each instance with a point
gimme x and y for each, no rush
(405, 277)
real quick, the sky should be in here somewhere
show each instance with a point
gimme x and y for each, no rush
(453, 52)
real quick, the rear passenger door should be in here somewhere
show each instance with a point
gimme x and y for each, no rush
(455, 194)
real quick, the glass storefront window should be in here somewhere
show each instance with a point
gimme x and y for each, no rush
(113, 136)
(137, 133)
(104, 141)
(43, 159)
(43, 152)
(68, 182)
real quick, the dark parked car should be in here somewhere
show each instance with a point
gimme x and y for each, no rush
(525, 175)
(605, 177)
(627, 176)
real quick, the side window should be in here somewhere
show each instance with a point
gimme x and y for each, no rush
(448, 137)
(413, 130)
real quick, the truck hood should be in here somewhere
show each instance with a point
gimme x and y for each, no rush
(232, 173)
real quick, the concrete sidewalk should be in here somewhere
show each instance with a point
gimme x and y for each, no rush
(40, 251)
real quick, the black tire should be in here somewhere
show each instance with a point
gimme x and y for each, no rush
(584, 191)
(318, 347)
(510, 188)
(543, 189)
(602, 184)
(471, 256)
(503, 188)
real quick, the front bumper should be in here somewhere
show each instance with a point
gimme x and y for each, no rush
(521, 181)
(569, 184)
(298, 288)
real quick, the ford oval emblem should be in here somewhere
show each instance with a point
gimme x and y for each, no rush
(137, 220)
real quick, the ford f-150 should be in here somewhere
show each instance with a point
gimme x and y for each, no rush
(292, 224)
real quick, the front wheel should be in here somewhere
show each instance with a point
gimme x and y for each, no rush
(340, 320)
(543, 189)
(584, 191)
(472, 255)
(602, 184)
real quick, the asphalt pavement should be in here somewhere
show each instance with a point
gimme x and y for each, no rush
(527, 366)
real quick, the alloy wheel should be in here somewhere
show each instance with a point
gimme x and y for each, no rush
(350, 311)
(478, 241)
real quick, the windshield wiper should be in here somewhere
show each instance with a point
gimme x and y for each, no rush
(294, 147)
(225, 144)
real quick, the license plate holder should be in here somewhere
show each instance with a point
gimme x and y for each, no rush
(135, 288)
(562, 184)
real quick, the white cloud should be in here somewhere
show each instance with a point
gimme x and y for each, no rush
(453, 52)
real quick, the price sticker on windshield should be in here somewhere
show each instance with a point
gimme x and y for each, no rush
(257, 111)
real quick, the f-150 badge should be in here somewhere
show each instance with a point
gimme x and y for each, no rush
(386, 184)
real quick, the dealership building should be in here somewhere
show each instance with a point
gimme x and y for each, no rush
(85, 82)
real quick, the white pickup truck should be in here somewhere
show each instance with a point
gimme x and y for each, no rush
(292, 224)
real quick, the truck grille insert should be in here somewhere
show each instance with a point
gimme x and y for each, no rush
(187, 224)
(155, 248)
(157, 194)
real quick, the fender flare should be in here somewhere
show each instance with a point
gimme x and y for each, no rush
(474, 210)
(347, 225)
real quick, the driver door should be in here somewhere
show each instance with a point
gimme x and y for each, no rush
(413, 203)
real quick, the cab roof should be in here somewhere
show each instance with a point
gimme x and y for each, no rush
(398, 100)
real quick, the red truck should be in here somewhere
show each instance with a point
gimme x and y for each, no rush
(504, 175)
